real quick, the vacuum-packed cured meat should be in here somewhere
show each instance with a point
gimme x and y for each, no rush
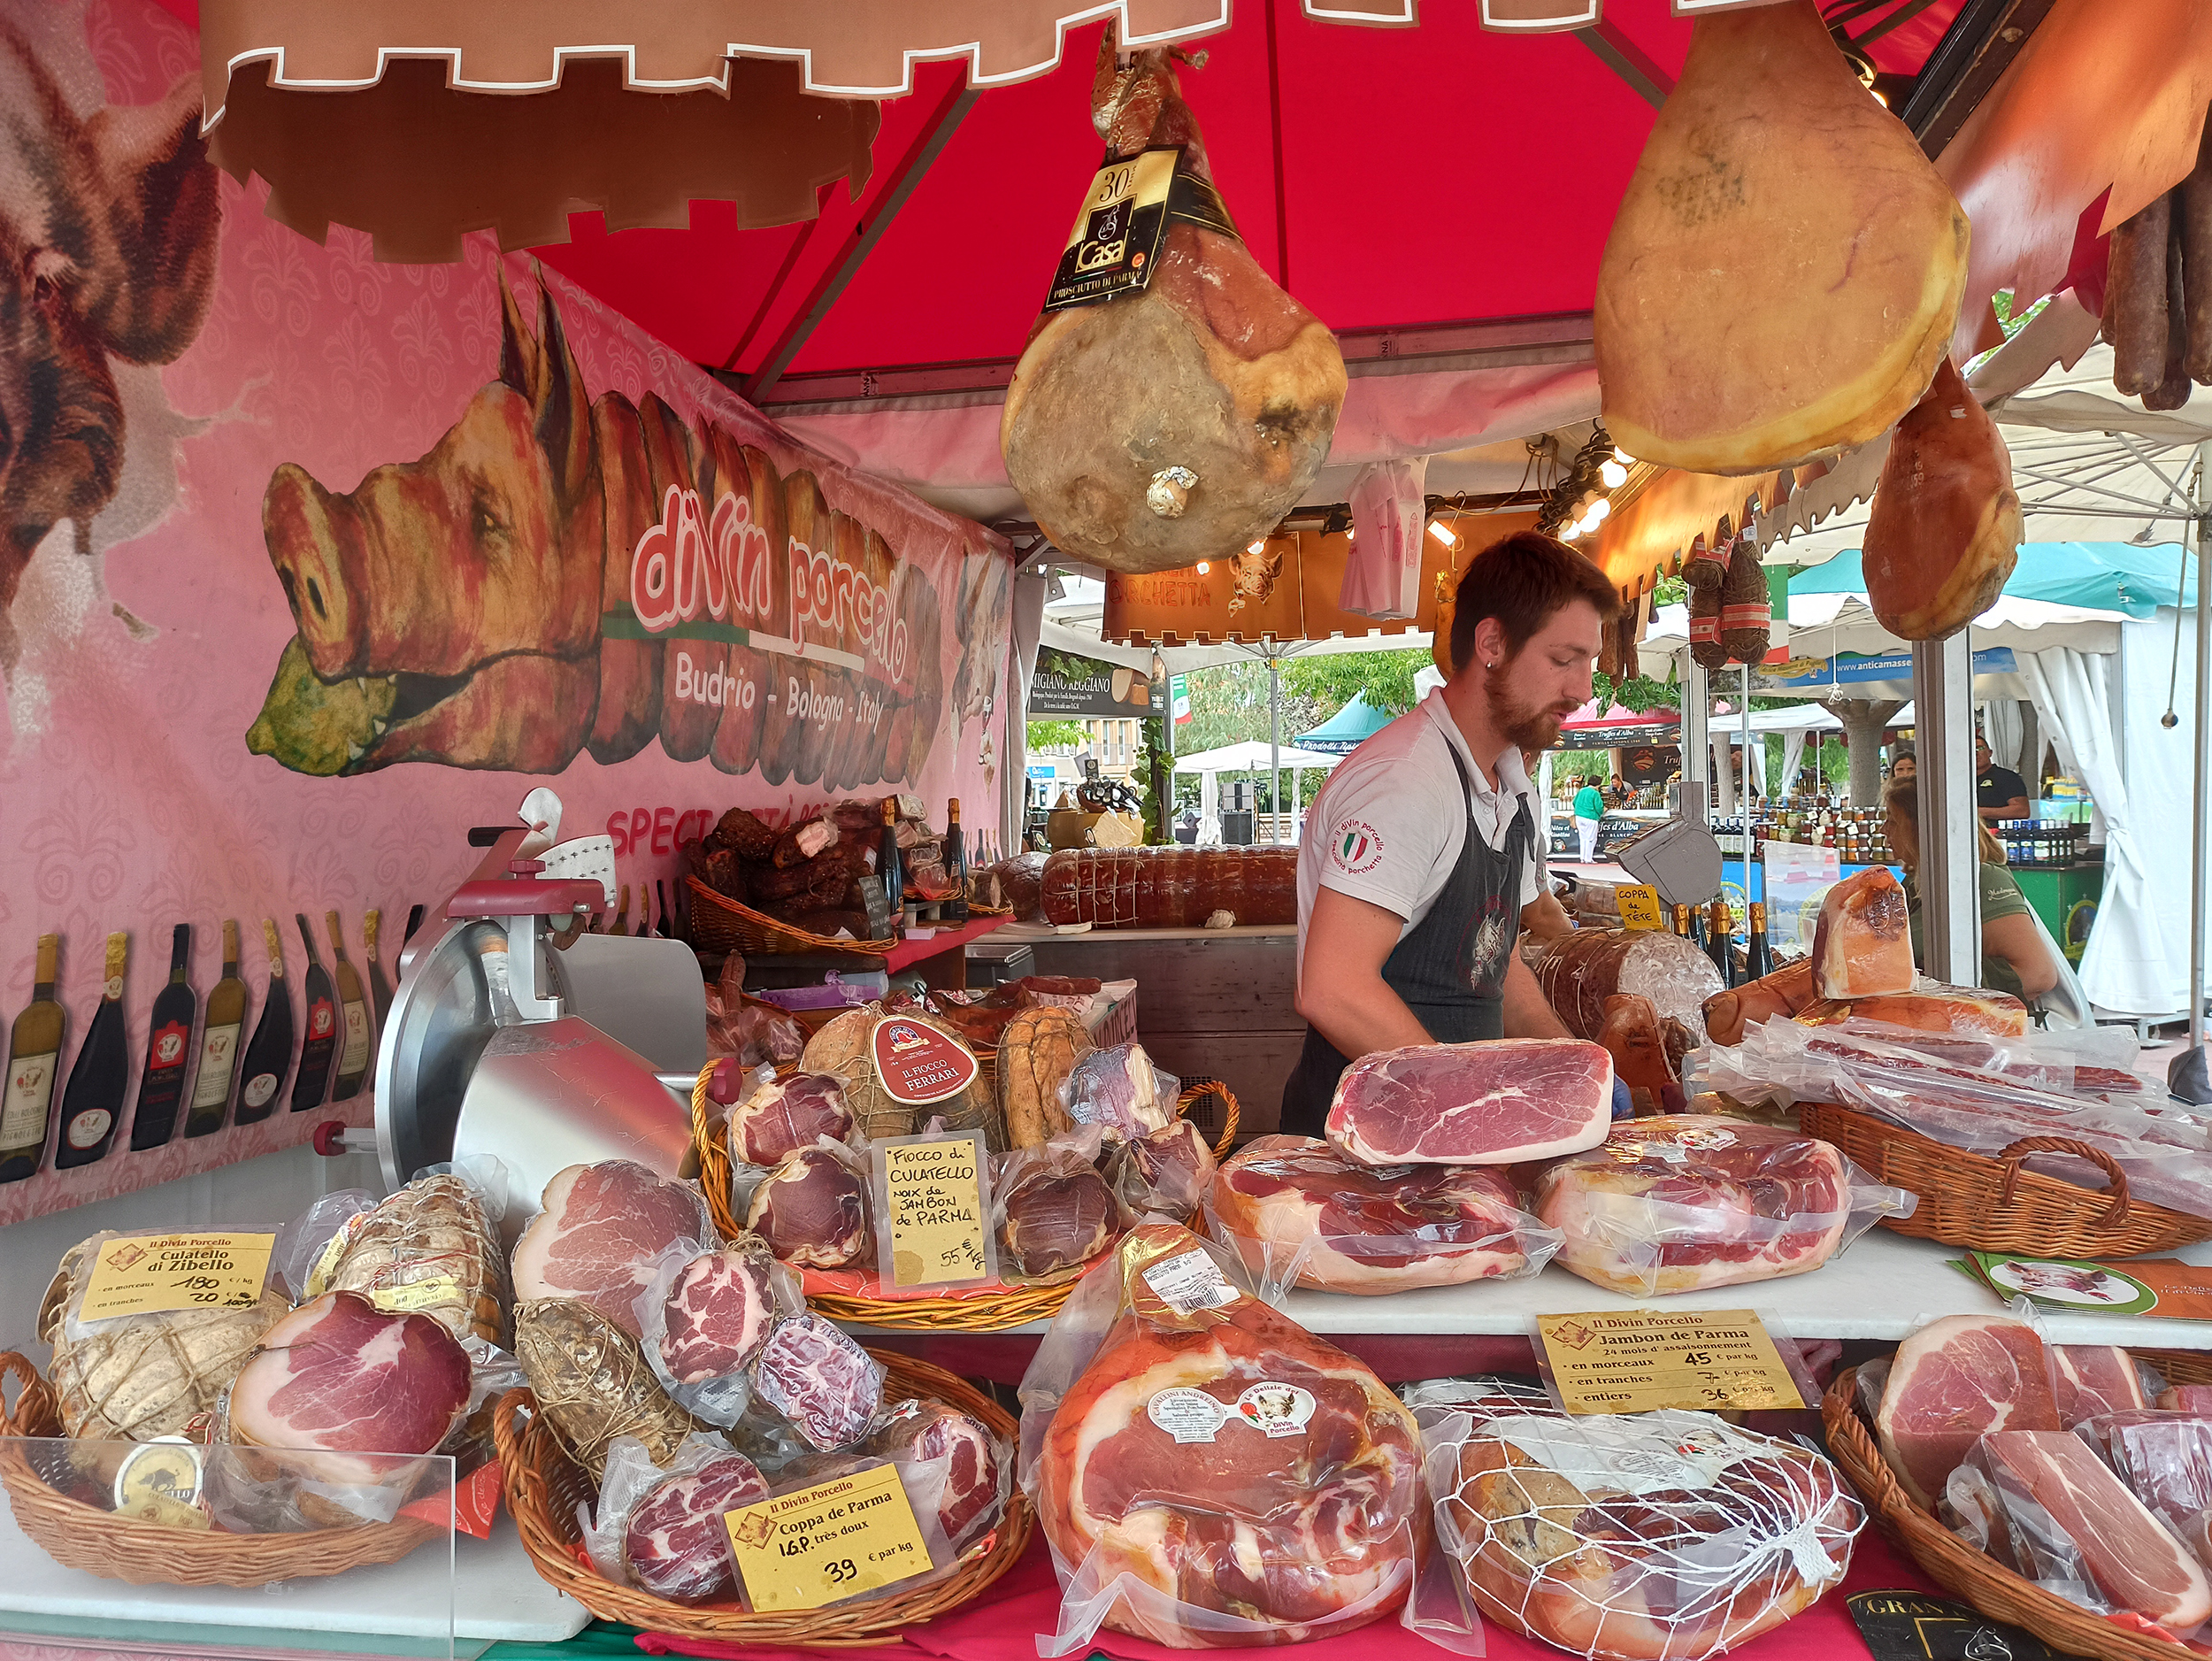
(1120, 1091)
(828, 1385)
(675, 1543)
(1785, 992)
(1633, 1035)
(593, 1383)
(717, 1314)
(1583, 968)
(1168, 1173)
(1945, 530)
(1178, 420)
(601, 1228)
(1295, 1207)
(1769, 175)
(1485, 1104)
(1953, 1380)
(782, 1117)
(1932, 1007)
(1037, 1051)
(2094, 1380)
(1665, 1536)
(968, 1465)
(1862, 945)
(813, 1210)
(1054, 1211)
(1170, 887)
(431, 1245)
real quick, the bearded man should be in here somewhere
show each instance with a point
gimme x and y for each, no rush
(1424, 847)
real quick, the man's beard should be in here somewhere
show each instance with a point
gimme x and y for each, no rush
(1524, 727)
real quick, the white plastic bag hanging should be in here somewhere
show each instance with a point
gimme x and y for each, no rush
(1382, 569)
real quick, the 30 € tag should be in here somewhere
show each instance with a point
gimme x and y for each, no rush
(821, 1544)
(144, 1275)
(1631, 1361)
(1639, 906)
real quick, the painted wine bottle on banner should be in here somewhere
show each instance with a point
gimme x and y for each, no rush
(26, 1095)
(101, 1076)
(312, 1085)
(269, 1056)
(225, 1020)
(355, 1049)
(168, 1050)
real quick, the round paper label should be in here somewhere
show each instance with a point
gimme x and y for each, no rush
(1186, 1414)
(1276, 1410)
(259, 1089)
(87, 1128)
(918, 1064)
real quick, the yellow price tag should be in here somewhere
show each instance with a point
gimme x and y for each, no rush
(1639, 906)
(932, 1198)
(834, 1540)
(1631, 1361)
(144, 1275)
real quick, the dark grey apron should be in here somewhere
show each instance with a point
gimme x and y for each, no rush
(1450, 968)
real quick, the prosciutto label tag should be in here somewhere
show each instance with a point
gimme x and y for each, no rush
(1633, 1361)
(1190, 1281)
(1186, 1414)
(1639, 906)
(918, 1064)
(817, 1545)
(1115, 241)
(934, 1221)
(145, 1274)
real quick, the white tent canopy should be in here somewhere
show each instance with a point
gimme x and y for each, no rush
(1251, 756)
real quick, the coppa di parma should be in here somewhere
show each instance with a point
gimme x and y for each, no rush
(676, 586)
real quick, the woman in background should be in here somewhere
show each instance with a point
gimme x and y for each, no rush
(2015, 956)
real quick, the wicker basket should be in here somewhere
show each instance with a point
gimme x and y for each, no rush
(544, 1487)
(85, 1537)
(716, 922)
(981, 1310)
(1969, 1199)
(1991, 1588)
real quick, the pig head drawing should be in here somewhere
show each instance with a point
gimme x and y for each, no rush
(1253, 576)
(110, 222)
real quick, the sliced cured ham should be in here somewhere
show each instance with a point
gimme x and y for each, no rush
(813, 1210)
(1953, 1380)
(1932, 1007)
(1944, 532)
(1771, 176)
(781, 1118)
(1783, 993)
(1677, 1202)
(949, 1461)
(2186, 1398)
(1349, 1227)
(1167, 1174)
(1862, 945)
(1181, 421)
(719, 1313)
(1583, 968)
(2165, 1460)
(600, 1228)
(2091, 1380)
(824, 1383)
(1486, 1103)
(675, 1542)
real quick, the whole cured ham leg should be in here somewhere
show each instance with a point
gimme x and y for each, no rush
(1945, 530)
(1181, 420)
(1773, 188)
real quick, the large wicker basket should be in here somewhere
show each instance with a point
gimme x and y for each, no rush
(840, 1296)
(715, 922)
(1991, 1588)
(544, 1487)
(82, 1536)
(1969, 1199)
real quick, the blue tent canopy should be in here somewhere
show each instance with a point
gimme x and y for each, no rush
(1343, 732)
(2106, 576)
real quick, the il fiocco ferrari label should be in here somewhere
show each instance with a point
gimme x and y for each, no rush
(918, 1064)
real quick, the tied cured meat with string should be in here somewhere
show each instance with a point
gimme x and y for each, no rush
(1170, 887)
(1179, 417)
(1581, 971)
(1497, 1103)
(1290, 1201)
(601, 1229)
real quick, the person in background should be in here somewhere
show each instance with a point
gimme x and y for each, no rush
(2014, 957)
(1589, 808)
(1617, 792)
(1999, 792)
(1904, 765)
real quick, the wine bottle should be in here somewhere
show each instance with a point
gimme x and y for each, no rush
(644, 910)
(1720, 933)
(33, 1057)
(889, 866)
(956, 908)
(168, 1050)
(622, 912)
(312, 1085)
(357, 1048)
(414, 922)
(1681, 924)
(269, 1056)
(226, 1019)
(380, 988)
(94, 1100)
(660, 897)
(1758, 955)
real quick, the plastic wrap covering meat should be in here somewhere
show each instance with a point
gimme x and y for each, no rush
(747, 1031)
(659, 1528)
(1052, 1210)
(1951, 1382)
(601, 1229)
(2076, 1061)
(1677, 1202)
(432, 1248)
(954, 1469)
(1208, 1473)
(2165, 1459)
(2064, 1520)
(1862, 944)
(706, 1315)
(1167, 1174)
(2091, 1380)
(1578, 971)
(1298, 1212)
(1930, 1006)
(2166, 1157)
(813, 1209)
(1486, 1103)
(1170, 887)
(1785, 992)
(1634, 1036)
(1120, 1091)
(824, 1384)
(1037, 1051)
(784, 1115)
(593, 1382)
(1660, 1536)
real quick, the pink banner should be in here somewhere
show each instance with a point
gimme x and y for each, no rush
(315, 563)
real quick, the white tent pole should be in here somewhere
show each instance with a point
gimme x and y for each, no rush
(1697, 712)
(1274, 743)
(1949, 874)
(2203, 707)
(1746, 748)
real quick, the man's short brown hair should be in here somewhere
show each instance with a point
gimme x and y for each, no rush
(1522, 580)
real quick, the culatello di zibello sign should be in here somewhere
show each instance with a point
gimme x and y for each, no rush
(918, 1064)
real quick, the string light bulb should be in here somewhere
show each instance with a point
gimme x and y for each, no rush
(1597, 512)
(1443, 533)
(1570, 532)
(1259, 547)
(1624, 458)
(1203, 567)
(1614, 474)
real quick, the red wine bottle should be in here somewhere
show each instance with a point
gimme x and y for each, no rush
(321, 1046)
(269, 1056)
(357, 1053)
(94, 1100)
(414, 922)
(168, 1050)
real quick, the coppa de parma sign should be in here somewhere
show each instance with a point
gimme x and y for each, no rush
(1065, 684)
(918, 1064)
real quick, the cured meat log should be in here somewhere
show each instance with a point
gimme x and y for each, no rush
(743, 834)
(1945, 530)
(803, 843)
(1934, 1008)
(782, 1117)
(1170, 887)
(601, 1228)
(1580, 970)
(675, 1544)
(1179, 421)
(1953, 1380)
(950, 1463)
(1665, 1536)
(719, 1313)
(813, 1210)
(431, 1245)
(1785, 992)
(1037, 1051)
(818, 883)
(1768, 176)
(1685, 1201)
(1485, 1104)
(1295, 1201)
(1231, 1464)
(1862, 944)
(825, 1384)
(593, 1383)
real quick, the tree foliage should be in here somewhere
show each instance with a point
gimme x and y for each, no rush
(1052, 734)
(1334, 680)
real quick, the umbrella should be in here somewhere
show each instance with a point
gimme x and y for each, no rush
(1346, 729)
